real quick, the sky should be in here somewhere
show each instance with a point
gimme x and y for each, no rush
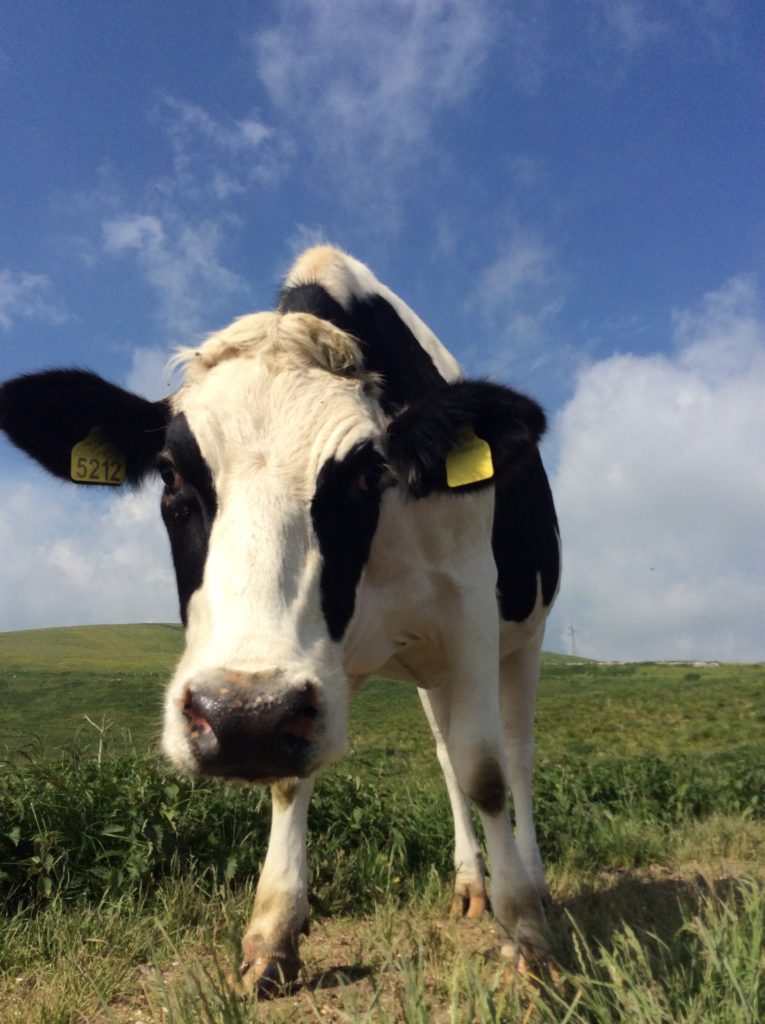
(570, 195)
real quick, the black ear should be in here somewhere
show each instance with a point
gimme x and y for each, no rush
(421, 438)
(47, 414)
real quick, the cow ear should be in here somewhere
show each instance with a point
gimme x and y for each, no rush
(48, 414)
(463, 436)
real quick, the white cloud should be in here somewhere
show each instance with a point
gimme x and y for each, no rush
(660, 486)
(150, 375)
(192, 121)
(523, 266)
(25, 296)
(632, 22)
(362, 82)
(695, 28)
(72, 556)
(181, 262)
(225, 157)
(519, 296)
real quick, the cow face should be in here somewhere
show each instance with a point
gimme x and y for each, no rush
(275, 454)
(272, 469)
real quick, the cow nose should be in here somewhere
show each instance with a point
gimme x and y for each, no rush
(253, 726)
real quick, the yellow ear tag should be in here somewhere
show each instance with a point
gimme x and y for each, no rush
(95, 460)
(469, 462)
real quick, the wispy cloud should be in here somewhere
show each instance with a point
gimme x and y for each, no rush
(219, 158)
(361, 83)
(523, 267)
(190, 121)
(25, 296)
(696, 28)
(660, 486)
(180, 261)
(631, 23)
(177, 232)
(519, 296)
(724, 334)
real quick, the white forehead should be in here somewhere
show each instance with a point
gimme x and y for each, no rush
(279, 393)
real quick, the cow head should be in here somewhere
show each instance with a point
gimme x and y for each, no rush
(275, 455)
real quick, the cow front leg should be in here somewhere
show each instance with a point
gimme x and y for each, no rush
(270, 955)
(469, 897)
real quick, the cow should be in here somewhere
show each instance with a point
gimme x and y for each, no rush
(339, 501)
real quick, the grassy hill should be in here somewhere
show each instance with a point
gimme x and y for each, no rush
(143, 647)
(50, 679)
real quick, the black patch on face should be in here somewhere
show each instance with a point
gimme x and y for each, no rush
(388, 345)
(189, 504)
(344, 510)
(525, 540)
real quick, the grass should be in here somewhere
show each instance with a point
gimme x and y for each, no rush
(639, 947)
(126, 889)
(51, 679)
(116, 676)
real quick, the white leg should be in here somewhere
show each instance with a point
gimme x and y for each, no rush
(519, 677)
(469, 870)
(477, 751)
(280, 915)
(514, 898)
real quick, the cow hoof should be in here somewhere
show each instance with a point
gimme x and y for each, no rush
(532, 976)
(266, 973)
(267, 977)
(467, 903)
(530, 964)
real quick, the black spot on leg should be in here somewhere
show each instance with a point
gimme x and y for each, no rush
(283, 792)
(487, 789)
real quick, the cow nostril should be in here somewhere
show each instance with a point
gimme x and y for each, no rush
(302, 723)
(201, 732)
(198, 724)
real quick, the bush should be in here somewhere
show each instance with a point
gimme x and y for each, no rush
(80, 829)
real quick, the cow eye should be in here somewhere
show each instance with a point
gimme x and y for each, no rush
(370, 480)
(169, 475)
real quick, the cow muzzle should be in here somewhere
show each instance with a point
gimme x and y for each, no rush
(253, 726)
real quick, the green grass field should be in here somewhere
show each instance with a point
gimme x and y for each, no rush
(51, 678)
(125, 887)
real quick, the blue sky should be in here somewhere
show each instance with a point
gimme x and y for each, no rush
(569, 194)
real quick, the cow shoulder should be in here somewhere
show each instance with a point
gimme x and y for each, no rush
(509, 425)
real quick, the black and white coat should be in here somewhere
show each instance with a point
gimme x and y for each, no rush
(316, 540)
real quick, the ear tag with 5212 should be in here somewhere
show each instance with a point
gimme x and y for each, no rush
(470, 461)
(95, 460)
